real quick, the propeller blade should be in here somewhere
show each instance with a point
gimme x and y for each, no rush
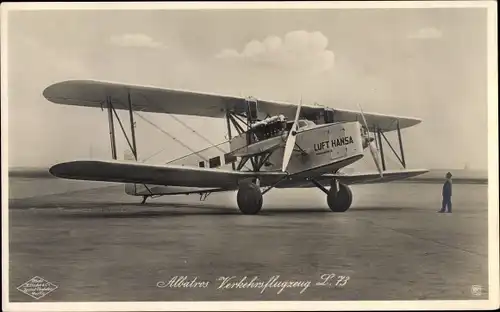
(370, 145)
(364, 121)
(297, 114)
(290, 142)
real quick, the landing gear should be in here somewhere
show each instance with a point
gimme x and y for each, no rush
(341, 200)
(339, 197)
(249, 198)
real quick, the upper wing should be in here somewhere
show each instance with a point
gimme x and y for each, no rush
(374, 177)
(374, 121)
(132, 172)
(160, 100)
(147, 99)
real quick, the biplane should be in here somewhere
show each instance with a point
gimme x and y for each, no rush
(271, 145)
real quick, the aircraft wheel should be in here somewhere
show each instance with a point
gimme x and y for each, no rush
(249, 199)
(341, 201)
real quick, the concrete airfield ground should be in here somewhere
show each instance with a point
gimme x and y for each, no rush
(102, 245)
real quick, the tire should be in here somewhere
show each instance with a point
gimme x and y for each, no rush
(342, 201)
(249, 199)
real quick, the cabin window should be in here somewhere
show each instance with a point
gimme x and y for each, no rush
(228, 158)
(214, 162)
(202, 164)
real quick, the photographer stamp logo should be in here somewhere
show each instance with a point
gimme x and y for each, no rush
(476, 290)
(37, 287)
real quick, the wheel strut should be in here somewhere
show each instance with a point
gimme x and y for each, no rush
(321, 187)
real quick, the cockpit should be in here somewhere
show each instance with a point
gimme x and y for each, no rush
(303, 123)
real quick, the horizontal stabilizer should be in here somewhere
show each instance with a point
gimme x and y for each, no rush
(374, 177)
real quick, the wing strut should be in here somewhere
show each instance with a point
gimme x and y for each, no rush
(229, 135)
(372, 151)
(379, 133)
(132, 146)
(403, 162)
(132, 125)
(111, 127)
(378, 140)
(111, 111)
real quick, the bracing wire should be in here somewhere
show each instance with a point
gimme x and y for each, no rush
(188, 127)
(193, 152)
(170, 136)
(197, 133)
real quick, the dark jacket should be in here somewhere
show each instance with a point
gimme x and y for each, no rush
(447, 188)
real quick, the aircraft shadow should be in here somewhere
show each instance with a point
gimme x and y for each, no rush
(377, 208)
(143, 214)
(188, 210)
(95, 205)
(207, 210)
(121, 209)
(287, 210)
(402, 209)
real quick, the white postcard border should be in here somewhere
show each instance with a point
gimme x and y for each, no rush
(493, 213)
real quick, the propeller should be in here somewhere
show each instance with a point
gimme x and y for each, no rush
(370, 144)
(292, 136)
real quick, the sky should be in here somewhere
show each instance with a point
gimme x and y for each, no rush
(425, 63)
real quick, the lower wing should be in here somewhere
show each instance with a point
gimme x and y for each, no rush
(175, 175)
(132, 172)
(374, 177)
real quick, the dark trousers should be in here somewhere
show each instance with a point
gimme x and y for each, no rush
(446, 203)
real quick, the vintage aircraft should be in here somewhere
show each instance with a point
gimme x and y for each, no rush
(287, 145)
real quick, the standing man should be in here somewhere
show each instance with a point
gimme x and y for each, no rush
(447, 194)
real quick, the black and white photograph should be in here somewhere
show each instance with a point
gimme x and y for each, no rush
(249, 156)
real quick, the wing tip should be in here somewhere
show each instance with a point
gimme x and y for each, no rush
(417, 172)
(53, 91)
(58, 170)
(416, 121)
(48, 93)
(70, 168)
